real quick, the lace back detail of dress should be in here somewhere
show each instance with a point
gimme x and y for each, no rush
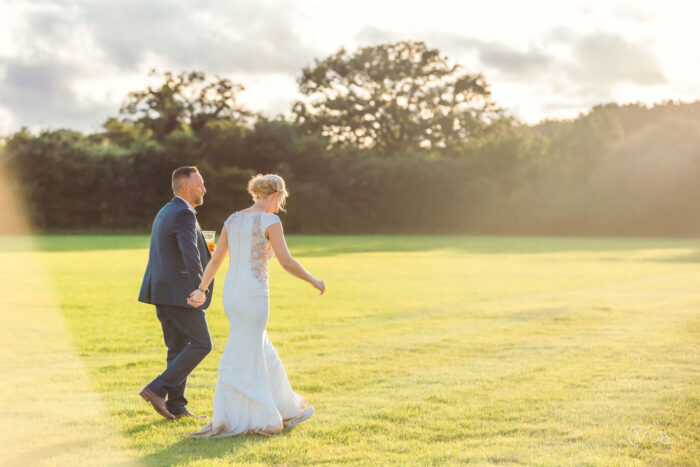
(260, 253)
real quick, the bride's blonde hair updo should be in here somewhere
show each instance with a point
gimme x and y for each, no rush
(262, 186)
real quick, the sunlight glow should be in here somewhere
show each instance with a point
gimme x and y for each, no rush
(53, 415)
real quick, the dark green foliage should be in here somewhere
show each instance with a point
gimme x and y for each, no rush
(617, 170)
(188, 100)
(393, 98)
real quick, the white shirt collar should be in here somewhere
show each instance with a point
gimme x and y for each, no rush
(187, 203)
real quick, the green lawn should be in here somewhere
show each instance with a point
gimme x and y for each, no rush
(423, 351)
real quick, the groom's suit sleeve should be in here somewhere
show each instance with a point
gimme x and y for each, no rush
(186, 234)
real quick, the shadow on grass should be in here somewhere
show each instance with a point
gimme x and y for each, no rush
(187, 450)
(693, 257)
(136, 430)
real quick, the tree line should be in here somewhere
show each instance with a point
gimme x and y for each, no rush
(392, 138)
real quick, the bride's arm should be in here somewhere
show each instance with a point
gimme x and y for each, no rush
(292, 266)
(197, 297)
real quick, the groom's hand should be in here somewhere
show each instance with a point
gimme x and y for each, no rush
(196, 298)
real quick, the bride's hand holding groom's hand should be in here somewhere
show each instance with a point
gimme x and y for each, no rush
(196, 298)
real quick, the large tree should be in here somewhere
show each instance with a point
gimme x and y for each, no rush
(189, 98)
(393, 97)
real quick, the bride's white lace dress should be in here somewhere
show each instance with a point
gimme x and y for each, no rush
(253, 394)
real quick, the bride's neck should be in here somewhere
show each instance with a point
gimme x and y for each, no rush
(262, 206)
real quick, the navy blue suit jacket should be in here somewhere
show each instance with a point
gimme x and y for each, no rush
(176, 259)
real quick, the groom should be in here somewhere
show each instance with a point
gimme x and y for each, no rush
(176, 261)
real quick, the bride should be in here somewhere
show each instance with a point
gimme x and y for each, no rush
(253, 394)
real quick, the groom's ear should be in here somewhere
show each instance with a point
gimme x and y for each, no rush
(181, 176)
(184, 187)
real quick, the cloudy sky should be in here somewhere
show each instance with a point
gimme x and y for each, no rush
(71, 63)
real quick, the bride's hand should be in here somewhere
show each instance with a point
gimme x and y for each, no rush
(196, 298)
(320, 285)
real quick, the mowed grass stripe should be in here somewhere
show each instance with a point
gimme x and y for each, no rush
(459, 332)
(583, 341)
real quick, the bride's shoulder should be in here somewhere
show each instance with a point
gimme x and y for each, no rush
(231, 217)
(271, 218)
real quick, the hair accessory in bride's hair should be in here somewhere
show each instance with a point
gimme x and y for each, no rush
(262, 186)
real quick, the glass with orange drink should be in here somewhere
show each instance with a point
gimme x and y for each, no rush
(209, 237)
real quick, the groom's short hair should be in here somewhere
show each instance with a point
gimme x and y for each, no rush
(180, 175)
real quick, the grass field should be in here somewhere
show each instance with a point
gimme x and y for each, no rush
(424, 351)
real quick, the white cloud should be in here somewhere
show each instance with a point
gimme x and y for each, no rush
(604, 59)
(71, 62)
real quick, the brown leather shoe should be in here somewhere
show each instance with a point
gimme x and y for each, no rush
(187, 413)
(157, 402)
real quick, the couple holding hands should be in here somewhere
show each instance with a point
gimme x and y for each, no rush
(253, 393)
